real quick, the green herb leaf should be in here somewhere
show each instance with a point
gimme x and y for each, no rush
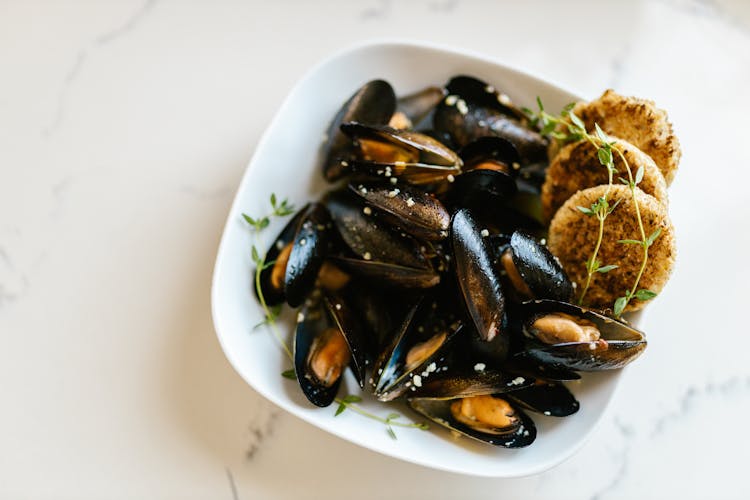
(289, 374)
(630, 242)
(652, 237)
(639, 175)
(624, 181)
(576, 121)
(263, 223)
(393, 416)
(586, 210)
(254, 255)
(620, 304)
(423, 426)
(644, 294)
(567, 109)
(249, 219)
(267, 264)
(351, 398)
(539, 103)
(340, 409)
(606, 269)
(273, 200)
(605, 156)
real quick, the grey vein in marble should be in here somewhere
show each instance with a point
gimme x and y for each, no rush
(692, 394)
(377, 12)
(127, 26)
(232, 484)
(623, 457)
(82, 55)
(260, 428)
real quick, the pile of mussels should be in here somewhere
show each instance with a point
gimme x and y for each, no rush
(426, 267)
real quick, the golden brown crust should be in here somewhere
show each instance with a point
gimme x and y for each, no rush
(639, 122)
(573, 234)
(577, 167)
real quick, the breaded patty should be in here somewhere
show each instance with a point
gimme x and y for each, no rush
(637, 121)
(573, 234)
(577, 167)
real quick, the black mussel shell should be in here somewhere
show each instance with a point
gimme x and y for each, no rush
(479, 93)
(554, 400)
(539, 270)
(520, 364)
(388, 274)
(411, 209)
(374, 103)
(457, 382)
(271, 294)
(468, 113)
(477, 280)
(619, 344)
(308, 252)
(438, 410)
(368, 237)
(418, 105)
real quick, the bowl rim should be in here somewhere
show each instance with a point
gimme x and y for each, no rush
(376, 43)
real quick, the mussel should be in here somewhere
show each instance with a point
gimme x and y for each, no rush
(566, 335)
(479, 285)
(487, 418)
(474, 109)
(374, 104)
(387, 153)
(530, 271)
(327, 340)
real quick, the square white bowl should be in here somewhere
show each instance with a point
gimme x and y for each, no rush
(287, 162)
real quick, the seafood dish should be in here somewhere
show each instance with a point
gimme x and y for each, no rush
(470, 256)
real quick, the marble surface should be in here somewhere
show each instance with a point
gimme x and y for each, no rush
(124, 129)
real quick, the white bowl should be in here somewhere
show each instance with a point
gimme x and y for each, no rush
(286, 162)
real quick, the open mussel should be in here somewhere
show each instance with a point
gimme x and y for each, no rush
(387, 153)
(562, 334)
(416, 348)
(474, 109)
(327, 339)
(373, 104)
(487, 418)
(530, 271)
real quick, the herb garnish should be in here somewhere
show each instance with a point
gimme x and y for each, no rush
(271, 313)
(389, 421)
(567, 127)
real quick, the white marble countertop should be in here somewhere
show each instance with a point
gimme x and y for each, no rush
(124, 130)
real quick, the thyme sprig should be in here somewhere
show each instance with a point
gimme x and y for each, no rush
(270, 313)
(389, 421)
(568, 127)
